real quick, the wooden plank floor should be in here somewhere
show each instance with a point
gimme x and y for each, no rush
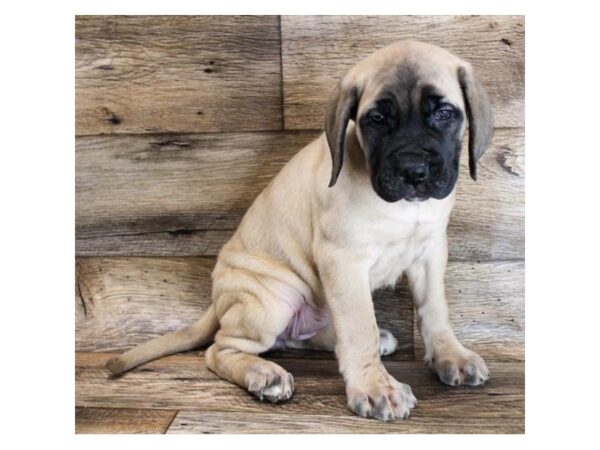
(178, 394)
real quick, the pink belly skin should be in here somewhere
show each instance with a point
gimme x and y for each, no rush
(305, 323)
(307, 319)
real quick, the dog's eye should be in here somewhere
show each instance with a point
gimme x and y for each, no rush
(443, 114)
(376, 117)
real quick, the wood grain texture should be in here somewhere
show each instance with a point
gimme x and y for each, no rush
(318, 50)
(509, 421)
(139, 74)
(487, 309)
(172, 183)
(184, 383)
(184, 195)
(117, 421)
(122, 302)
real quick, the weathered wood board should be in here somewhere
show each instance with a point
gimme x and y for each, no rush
(486, 302)
(429, 420)
(184, 195)
(122, 302)
(122, 420)
(177, 184)
(318, 50)
(148, 74)
(184, 383)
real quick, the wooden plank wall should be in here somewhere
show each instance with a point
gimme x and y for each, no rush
(181, 121)
(184, 74)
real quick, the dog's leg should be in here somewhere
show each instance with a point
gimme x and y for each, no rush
(370, 390)
(453, 363)
(247, 329)
(325, 340)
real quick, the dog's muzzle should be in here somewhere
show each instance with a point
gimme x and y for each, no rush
(410, 175)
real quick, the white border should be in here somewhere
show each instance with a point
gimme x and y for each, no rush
(37, 186)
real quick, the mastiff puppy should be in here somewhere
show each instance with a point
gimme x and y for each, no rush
(364, 203)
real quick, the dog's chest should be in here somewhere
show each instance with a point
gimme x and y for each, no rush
(400, 247)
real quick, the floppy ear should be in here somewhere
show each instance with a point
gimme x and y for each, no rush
(479, 112)
(342, 108)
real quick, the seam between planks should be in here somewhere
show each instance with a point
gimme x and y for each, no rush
(225, 133)
(214, 256)
(282, 83)
(176, 413)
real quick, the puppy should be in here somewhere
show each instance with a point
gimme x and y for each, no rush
(367, 201)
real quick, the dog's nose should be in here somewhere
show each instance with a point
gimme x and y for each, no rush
(414, 171)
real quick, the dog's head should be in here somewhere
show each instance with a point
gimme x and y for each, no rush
(410, 102)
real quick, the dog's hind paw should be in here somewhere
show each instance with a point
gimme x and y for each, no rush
(387, 342)
(273, 385)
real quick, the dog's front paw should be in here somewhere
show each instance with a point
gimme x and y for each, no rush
(461, 366)
(381, 397)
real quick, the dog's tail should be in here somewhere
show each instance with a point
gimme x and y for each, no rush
(197, 334)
